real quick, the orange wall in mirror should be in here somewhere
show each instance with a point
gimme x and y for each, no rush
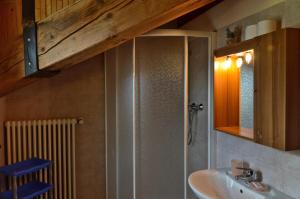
(226, 93)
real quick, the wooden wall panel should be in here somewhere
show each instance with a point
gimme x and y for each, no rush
(9, 22)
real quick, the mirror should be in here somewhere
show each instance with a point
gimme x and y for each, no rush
(234, 94)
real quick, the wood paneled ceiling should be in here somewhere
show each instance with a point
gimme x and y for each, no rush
(45, 8)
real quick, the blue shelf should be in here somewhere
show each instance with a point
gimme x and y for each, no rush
(28, 191)
(25, 167)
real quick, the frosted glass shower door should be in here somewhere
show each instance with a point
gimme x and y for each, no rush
(119, 124)
(159, 117)
(198, 59)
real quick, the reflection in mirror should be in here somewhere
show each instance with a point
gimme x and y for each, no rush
(234, 94)
(246, 97)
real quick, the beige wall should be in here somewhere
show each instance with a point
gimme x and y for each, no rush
(292, 14)
(228, 12)
(77, 92)
(231, 13)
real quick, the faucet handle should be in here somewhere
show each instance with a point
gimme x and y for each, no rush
(257, 176)
(250, 173)
(246, 171)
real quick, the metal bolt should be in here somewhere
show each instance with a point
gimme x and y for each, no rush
(28, 39)
(29, 63)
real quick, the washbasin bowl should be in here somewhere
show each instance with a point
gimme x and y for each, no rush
(218, 184)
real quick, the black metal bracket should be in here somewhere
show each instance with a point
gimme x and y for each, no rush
(30, 50)
(30, 41)
(30, 37)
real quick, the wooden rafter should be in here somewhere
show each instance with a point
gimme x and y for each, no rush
(87, 28)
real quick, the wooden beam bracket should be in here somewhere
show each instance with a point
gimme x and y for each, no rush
(30, 50)
(30, 42)
(29, 37)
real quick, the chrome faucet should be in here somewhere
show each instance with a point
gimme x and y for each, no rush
(249, 175)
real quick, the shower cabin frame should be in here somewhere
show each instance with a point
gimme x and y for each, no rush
(211, 36)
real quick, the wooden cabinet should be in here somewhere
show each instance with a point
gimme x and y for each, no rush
(277, 90)
(276, 87)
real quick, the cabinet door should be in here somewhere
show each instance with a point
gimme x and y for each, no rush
(264, 91)
(269, 91)
(291, 60)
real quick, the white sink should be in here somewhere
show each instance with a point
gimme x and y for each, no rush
(217, 184)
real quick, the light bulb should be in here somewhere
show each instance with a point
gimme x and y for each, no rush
(227, 63)
(217, 65)
(239, 62)
(248, 57)
(240, 54)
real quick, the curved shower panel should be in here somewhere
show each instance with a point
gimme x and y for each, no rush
(143, 157)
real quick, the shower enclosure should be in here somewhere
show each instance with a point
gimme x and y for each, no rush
(150, 82)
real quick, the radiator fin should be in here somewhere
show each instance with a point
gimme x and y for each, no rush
(47, 139)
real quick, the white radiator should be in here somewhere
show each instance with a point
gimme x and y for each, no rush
(47, 139)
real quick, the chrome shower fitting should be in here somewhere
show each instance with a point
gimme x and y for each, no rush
(193, 109)
(196, 107)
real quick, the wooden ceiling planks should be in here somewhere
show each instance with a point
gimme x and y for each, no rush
(45, 8)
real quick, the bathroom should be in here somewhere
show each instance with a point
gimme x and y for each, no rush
(147, 109)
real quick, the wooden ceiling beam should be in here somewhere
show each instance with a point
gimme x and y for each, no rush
(90, 27)
(87, 28)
